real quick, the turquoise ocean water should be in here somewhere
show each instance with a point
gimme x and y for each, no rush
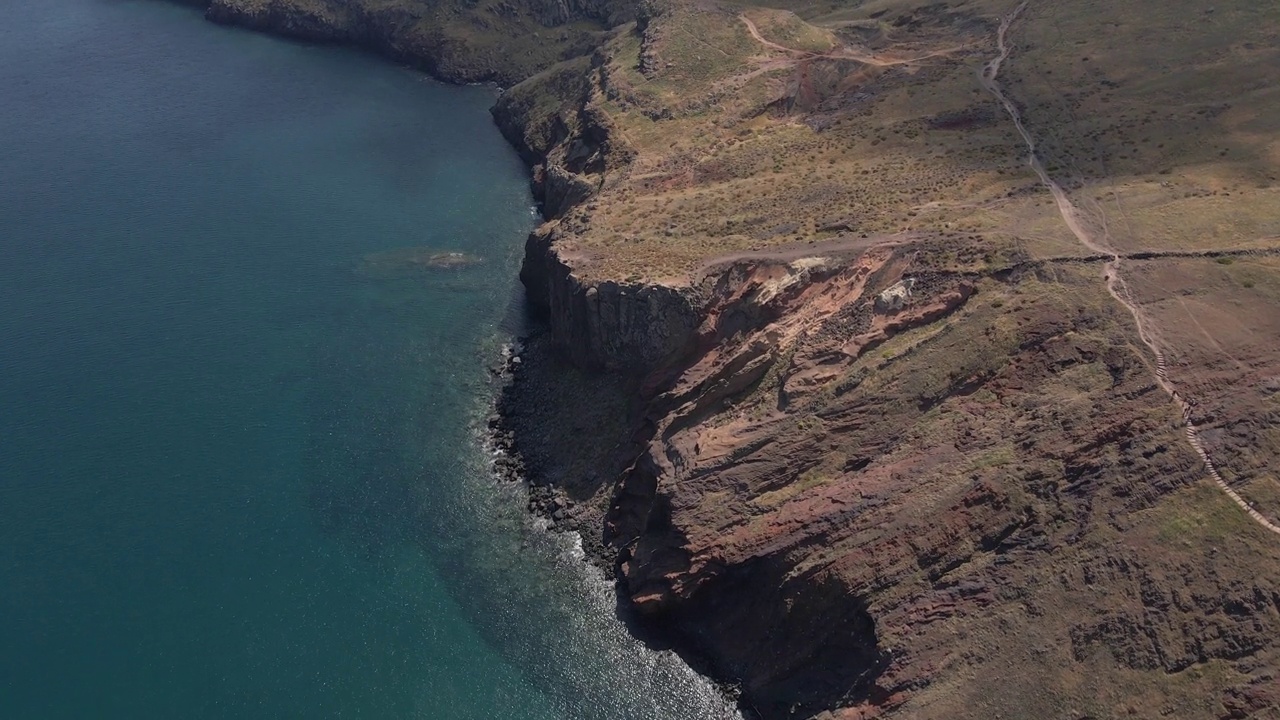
(240, 470)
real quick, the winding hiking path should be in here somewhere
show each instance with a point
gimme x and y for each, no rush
(755, 33)
(839, 53)
(1098, 241)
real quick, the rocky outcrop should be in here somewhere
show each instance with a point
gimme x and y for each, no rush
(555, 122)
(553, 13)
(607, 324)
(322, 23)
(454, 41)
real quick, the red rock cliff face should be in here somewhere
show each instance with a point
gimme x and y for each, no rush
(856, 508)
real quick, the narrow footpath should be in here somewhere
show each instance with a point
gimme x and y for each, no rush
(840, 53)
(1080, 226)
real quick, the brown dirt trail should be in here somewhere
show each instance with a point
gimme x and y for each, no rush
(1091, 232)
(840, 53)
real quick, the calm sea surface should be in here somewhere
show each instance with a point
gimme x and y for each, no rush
(240, 475)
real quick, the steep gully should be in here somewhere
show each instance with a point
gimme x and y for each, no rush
(1080, 226)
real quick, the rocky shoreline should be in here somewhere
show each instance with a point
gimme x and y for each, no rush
(530, 398)
(517, 400)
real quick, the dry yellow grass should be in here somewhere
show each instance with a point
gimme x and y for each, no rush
(1160, 114)
(880, 126)
(741, 146)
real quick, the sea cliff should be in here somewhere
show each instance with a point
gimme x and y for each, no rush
(825, 382)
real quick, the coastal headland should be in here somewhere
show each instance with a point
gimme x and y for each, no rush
(903, 359)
